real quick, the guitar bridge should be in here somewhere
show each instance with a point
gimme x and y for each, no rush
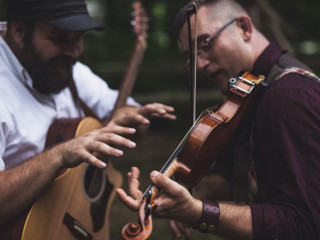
(76, 228)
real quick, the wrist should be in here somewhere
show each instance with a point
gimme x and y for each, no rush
(195, 214)
(209, 219)
(55, 157)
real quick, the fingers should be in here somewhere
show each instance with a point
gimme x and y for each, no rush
(131, 203)
(178, 229)
(101, 139)
(133, 183)
(93, 145)
(157, 110)
(93, 160)
(112, 128)
(133, 116)
(166, 116)
(111, 139)
(139, 119)
(174, 230)
(166, 184)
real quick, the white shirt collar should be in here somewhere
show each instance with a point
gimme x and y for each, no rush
(12, 62)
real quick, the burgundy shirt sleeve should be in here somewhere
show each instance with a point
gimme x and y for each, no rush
(287, 154)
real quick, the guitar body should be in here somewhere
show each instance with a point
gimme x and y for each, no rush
(78, 203)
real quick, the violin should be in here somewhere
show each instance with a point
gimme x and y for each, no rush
(208, 139)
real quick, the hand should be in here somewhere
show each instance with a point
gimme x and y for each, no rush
(134, 116)
(157, 110)
(133, 200)
(81, 149)
(175, 202)
(179, 229)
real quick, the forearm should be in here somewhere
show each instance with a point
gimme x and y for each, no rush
(235, 221)
(21, 185)
(227, 220)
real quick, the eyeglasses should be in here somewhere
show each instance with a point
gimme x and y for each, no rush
(205, 45)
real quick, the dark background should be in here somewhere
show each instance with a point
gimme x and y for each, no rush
(163, 76)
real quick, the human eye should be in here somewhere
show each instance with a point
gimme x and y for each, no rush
(205, 44)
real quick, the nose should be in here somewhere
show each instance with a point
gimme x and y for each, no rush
(74, 49)
(202, 63)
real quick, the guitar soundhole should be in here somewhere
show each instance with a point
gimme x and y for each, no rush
(94, 182)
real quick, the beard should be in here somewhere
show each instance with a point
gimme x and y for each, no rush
(50, 76)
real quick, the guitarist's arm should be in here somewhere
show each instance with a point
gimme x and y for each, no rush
(21, 185)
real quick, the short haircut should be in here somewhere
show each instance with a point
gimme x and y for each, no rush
(228, 9)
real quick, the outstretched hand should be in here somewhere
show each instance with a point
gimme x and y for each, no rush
(133, 116)
(81, 149)
(134, 199)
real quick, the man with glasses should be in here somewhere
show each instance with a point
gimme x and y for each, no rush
(281, 146)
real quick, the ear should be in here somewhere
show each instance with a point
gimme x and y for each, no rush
(17, 32)
(245, 26)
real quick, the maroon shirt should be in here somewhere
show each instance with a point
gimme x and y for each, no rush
(286, 149)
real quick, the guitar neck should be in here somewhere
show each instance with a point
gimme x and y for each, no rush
(129, 78)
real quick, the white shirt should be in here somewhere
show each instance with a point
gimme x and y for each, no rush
(26, 115)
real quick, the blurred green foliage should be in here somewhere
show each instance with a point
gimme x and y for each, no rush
(163, 67)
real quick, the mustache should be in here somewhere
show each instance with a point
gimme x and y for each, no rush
(61, 61)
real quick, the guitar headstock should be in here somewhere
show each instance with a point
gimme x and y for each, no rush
(140, 22)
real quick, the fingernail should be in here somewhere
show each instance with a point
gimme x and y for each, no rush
(146, 121)
(132, 130)
(154, 174)
(102, 165)
(162, 111)
(132, 144)
(118, 152)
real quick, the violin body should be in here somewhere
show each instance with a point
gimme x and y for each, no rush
(214, 133)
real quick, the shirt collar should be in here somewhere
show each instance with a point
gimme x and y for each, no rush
(12, 62)
(266, 60)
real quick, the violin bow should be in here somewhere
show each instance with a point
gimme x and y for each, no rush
(193, 60)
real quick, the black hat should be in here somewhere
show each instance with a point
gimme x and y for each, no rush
(69, 15)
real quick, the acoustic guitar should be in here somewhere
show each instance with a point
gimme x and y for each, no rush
(78, 203)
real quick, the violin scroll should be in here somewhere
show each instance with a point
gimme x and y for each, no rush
(143, 228)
